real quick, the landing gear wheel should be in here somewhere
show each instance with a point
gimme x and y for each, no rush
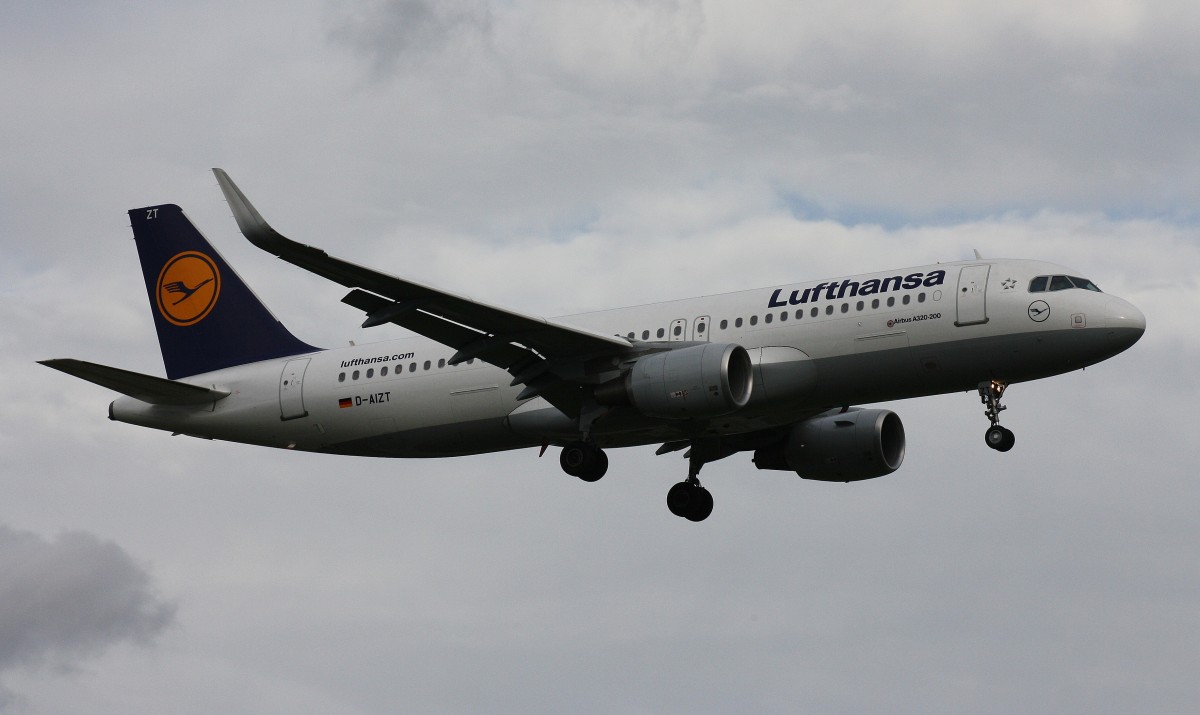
(585, 461)
(690, 501)
(597, 467)
(999, 438)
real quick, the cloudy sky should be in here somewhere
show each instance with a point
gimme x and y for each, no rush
(561, 157)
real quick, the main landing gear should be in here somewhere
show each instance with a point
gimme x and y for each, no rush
(686, 499)
(997, 437)
(690, 500)
(584, 460)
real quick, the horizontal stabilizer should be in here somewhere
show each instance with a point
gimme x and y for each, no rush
(147, 388)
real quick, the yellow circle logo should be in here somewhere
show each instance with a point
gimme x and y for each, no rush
(188, 286)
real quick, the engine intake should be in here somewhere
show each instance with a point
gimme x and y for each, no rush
(706, 380)
(839, 447)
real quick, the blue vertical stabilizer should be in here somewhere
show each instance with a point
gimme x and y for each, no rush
(206, 317)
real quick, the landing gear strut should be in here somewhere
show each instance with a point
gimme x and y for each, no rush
(688, 499)
(997, 437)
(584, 460)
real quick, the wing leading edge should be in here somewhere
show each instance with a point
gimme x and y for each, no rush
(547, 357)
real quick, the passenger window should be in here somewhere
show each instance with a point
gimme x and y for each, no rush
(767, 318)
(354, 375)
(783, 316)
(737, 323)
(645, 335)
(630, 336)
(829, 309)
(383, 371)
(799, 314)
(370, 372)
(341, 377)
(814, 312)
(426, 365)
(845, 307)
(724, 324)
(1060, 283)
(920, 297)
(906, 299)
(891, 300)
(441, 363)
(678, 330)
(859, 306)
(1038, 285)
(661, 332)
(754, 320)
(875, 304)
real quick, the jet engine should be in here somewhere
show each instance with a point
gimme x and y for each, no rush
(839, 446)
(697, 381)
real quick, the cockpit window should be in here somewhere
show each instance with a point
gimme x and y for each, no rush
(1042, 284)
(1060, 283)
(1085, 284)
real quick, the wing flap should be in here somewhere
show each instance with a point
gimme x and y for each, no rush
(147, 388)
(500, 352)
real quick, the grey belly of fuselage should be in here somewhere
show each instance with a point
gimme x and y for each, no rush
(841, 380)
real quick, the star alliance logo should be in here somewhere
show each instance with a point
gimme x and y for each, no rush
(1008, 283)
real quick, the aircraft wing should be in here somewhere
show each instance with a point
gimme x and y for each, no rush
(147, 388)
(530, 348)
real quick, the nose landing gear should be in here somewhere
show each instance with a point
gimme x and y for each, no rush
(997, 437)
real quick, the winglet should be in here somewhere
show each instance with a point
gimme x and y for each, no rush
(249, 220)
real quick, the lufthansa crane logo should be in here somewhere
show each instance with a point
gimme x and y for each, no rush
(188, 286)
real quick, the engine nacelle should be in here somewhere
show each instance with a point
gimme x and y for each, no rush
(697, 381)
(839, 447)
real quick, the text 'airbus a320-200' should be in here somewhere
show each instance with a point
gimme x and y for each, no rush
(772, 371)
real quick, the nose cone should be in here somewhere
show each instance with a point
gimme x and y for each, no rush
(1125, 321)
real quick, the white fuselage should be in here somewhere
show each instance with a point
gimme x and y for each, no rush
(868, 338)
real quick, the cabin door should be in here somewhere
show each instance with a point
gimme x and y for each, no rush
(972, 295)
(291, 390)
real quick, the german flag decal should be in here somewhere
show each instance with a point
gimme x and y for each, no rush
(345, 402)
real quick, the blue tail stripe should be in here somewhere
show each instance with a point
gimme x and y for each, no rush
(207, 318)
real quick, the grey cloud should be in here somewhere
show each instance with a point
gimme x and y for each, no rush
(554, 157)
(396, 33)
(919, 113)
(70, 598)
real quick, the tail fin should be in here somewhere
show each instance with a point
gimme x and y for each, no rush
(206, 317)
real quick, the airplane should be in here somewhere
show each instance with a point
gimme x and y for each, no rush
(775, 371)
